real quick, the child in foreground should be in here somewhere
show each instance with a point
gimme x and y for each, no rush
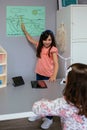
(72, 107)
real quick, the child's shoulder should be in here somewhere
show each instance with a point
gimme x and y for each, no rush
(54, 49)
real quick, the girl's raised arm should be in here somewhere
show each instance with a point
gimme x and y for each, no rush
(28, 36)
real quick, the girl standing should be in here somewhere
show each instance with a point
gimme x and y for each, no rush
(47, 62)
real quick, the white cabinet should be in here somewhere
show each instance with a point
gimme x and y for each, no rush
(79, 52)
(75, 23)
(79, 22)
(3, 68)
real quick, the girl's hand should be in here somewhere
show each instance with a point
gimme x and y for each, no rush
(23, 27)
(52, 78)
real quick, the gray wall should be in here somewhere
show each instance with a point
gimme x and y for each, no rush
(21, 55)
(82, 1)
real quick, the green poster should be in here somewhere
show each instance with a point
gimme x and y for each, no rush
(68, 2)
(32, 16)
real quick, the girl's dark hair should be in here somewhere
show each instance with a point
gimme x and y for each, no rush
(44, 36)
(75, 91)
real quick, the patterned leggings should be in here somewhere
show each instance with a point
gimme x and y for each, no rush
(41, 77)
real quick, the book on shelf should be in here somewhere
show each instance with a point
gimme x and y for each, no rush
(1, 69)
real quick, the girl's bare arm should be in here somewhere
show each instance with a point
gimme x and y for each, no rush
(28, 36)
(56, 67)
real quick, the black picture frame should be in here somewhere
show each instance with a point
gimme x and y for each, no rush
(57, 4)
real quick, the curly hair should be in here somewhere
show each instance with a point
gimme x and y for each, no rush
(75, 90)
(44, 36)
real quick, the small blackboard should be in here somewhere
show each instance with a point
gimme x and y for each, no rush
(38, 84)
(18, 81)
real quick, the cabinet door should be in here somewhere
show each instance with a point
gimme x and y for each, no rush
(79, 53)
(79, 23)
